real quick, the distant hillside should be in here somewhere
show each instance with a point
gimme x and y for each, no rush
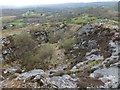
(76, 5)
(68, 5)
(99, 9)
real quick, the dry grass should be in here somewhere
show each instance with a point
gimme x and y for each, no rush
(5, 18)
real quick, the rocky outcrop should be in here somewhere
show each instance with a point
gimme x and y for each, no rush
(89, 82)
(95, 61)
(8, 48)
(40, 36)
(93, 42)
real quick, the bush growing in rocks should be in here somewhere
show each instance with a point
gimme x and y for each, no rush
(41, 58)
(67, 43)
(24, 44)
(54, 37)
(29, 55)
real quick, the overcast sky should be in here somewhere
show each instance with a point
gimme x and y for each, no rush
(41, 2)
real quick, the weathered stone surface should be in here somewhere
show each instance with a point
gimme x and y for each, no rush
(64, 81)
(31, 74)
(94, 43)
(85, 82)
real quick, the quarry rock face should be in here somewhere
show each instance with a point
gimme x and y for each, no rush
(96, 55)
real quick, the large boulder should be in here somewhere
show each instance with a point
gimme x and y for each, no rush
(30, 74)
(64, 81)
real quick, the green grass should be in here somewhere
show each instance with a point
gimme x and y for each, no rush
(18, 23)
(28, 14)
(94, 63)
(118, 23)
(83, 19)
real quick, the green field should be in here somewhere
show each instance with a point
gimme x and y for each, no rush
(84, 19)
(18, 23)
(29, 13)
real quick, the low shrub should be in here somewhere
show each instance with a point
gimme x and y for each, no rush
(54, 37)
(68, 43)
(41, 58)
(24, 44)
(29, 55)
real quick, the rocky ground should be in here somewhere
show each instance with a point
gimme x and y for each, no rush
(96, 63)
